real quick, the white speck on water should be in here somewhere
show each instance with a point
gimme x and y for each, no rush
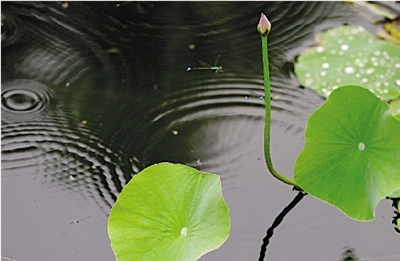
(364, 80)
(323, 73)
(333, 51)
(377, 52)
(398, 82)
(338, 80)
(325, 65)
(397, 65)
(349, 70)
(320, 49)
(344, 47)
(184, 231)
(361, 146)
(386, 84)
(358, 75)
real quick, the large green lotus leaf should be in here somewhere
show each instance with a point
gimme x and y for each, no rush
(169, 212)
(351, 55)
(351, 157)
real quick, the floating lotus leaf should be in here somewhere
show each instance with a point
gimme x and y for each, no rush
(351, 157)
(169, 212)
(351, 55)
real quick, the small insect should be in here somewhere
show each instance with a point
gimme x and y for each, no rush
(254, 95)
(206, 66)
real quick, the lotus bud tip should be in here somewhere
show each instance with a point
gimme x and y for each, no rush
(264, 25)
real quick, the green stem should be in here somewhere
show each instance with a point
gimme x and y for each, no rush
(267, 129)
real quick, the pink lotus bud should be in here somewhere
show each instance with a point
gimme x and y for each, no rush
(264, 26)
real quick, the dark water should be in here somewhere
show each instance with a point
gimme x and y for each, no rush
(92, 93)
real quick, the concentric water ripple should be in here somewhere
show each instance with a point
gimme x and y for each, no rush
(26, 100)
(216, 124)
(11, 29)
(64, 158)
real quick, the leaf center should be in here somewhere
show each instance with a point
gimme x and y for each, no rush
(184, 231)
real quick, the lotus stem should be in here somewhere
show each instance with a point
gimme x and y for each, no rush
(264, 27)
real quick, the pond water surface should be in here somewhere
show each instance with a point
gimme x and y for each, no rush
(94, 92)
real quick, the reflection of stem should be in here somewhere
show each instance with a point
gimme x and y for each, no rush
(267, 129)
(276, 223)
(396, 218)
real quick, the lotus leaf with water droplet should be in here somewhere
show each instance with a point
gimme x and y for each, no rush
(169, 212)
(351, 157)
(351, 55)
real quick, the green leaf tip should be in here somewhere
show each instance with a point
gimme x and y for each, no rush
(264, 25)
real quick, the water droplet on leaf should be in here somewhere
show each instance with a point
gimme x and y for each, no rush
(349, 70)
(325, 65)
(370, 70)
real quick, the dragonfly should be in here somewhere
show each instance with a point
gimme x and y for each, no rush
(254, 95)
(206, 66)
